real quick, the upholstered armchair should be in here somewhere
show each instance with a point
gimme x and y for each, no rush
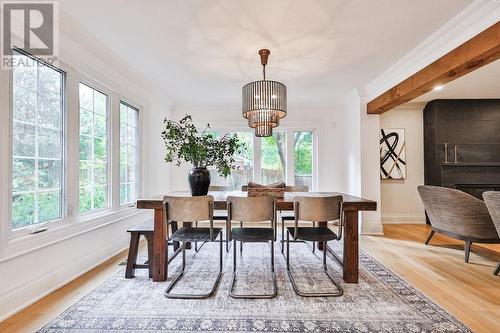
(492, 201)
(458, 215)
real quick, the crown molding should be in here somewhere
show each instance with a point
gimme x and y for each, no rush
(475, 18)
(104, 62)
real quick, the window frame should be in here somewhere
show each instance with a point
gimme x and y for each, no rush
(15, 242)
(290, 155)
(109, 153)
(138, 180)
(22, 231)
(290, 141)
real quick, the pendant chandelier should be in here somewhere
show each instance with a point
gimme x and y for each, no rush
(264, 102)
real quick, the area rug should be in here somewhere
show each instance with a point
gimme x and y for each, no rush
(381, 302)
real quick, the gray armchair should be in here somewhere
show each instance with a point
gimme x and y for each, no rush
(458, 215)
(492, 201)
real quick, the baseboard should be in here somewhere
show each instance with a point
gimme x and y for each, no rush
(20, 298)
(403, 219)
(372, 228)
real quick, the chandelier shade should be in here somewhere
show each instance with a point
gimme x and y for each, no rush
(264, 102)
(263, 130)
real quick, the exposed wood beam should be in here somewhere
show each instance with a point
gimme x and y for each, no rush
(471, 55)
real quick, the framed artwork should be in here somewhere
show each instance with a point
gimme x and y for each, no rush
(392, 153)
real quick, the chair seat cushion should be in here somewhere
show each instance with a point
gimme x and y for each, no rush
(318, 234)
(194, 234)
(252, 234)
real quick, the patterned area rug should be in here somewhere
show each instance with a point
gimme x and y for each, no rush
(381, 302)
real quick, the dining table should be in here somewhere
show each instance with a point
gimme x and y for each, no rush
(351, 207)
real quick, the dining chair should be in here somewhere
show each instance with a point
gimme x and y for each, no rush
(315, 209)
(191, 209)
(287, 216)
(252, 210)
(219, 215)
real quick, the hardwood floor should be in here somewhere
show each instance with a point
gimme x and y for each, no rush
(42, 312)
(468, 291)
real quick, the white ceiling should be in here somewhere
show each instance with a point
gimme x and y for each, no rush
(201, 52)
(481, 83)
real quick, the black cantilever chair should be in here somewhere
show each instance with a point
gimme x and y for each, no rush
(189, 209)
(289, 216)
(218, 215)
(315, 209)
(253, 210)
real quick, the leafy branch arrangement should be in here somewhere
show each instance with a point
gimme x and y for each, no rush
(184, 144)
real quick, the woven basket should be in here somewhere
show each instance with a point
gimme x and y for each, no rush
(258, 190)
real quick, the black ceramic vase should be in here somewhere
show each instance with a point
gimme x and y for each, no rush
(199, 181)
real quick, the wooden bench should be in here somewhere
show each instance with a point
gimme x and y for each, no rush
(135, 235)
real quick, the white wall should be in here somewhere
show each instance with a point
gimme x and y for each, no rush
(400, 200)
(36, 265)
(370, 166)
(336, 159)
(350, 127)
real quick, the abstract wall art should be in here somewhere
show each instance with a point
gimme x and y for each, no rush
(392, 153)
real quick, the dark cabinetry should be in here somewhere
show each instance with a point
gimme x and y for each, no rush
(462, 144)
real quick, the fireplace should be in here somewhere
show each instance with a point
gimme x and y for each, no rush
(477, 190)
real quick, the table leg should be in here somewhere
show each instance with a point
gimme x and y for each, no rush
(160, 247)
(351, 251)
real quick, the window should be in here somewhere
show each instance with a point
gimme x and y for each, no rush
(303, 158)
(215, 179)
(129, 130)
(243, 172)
(243, 161)
(273, 158)
(37, 143)
(287, 156)
(93, 149)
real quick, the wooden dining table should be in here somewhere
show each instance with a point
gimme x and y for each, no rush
(351, 206)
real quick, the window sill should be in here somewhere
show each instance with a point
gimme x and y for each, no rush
(24, 244)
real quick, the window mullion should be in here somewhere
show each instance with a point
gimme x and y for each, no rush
(290, 158)
(36, 195)
(72, 136)
(114, 113)
(257, 159)
(92, 160)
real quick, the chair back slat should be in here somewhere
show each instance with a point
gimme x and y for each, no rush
(189, 209)
(252, 209)
(318, 209)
